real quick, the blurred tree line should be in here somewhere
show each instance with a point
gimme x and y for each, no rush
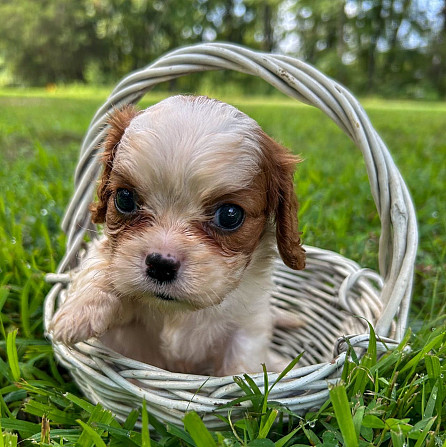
(384, 47)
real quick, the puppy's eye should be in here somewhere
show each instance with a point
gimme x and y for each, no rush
(125, 201)
(229, 217)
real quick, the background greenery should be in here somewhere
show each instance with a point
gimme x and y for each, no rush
(386, 47)
(398, 400)
(76, 49)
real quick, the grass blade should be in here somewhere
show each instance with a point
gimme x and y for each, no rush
(245, 388)
(24, 310)
(290, 366)
(81, 403)
(53, 413)
(433, 367)
(92, 435)
(285, 439)
(25, 428)
(131, 420)
(431, 403)
(145, 434)
(398, 438)
(372, 350)
(267, 423)
(338, 396)
(424, 433)
(4, 292)
(120, 437)
(357, 419)
(362, 374)
(8, 440)
(435, 342)
(252, 384)
(1, 436)
(180, 434)
(13, 359)
(159, 428)
(198, 431)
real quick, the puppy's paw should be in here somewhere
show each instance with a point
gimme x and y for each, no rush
(71, 325)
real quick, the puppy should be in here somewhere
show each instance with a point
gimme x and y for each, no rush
(194, 198)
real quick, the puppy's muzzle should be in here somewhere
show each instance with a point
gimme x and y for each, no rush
(162, 268)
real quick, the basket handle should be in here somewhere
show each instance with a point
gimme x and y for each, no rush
(398, 240)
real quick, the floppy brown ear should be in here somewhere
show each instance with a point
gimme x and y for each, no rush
(118, 121)
(282, 201)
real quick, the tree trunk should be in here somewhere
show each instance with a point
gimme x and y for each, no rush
(268, 34)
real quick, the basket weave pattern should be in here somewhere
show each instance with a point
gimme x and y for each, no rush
(326, 295)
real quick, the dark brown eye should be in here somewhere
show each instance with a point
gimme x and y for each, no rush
(229, 217)
(125, 201)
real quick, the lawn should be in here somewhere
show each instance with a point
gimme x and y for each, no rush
(405, 398)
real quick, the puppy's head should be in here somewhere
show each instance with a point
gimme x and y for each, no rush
(190, 190)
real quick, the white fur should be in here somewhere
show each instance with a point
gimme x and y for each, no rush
(180, 154)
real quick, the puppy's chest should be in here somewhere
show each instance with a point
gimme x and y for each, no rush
(193, 343)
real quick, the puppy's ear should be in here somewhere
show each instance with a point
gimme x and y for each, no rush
(279, 168)
(118, 121)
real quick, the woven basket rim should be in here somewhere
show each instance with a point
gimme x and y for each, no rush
(398, 241)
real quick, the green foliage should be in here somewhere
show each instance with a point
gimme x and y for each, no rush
(100, 41)
(45, 41)
(403, 404)
(397, 399)
(385, 47)
(381, 43)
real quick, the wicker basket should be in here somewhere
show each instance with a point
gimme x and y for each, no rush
(327, 294)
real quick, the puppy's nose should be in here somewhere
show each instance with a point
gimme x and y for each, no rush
(162, 268)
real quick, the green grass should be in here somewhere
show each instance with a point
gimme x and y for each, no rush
(399, 399)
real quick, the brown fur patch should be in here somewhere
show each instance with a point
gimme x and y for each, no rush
(279, 167)
(118, 121)
(271, 194)
(244, 239)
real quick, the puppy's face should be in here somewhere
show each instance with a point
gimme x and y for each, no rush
(190, 189)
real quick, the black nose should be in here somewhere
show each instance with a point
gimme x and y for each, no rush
(162, 268)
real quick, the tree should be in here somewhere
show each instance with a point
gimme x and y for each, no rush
(437, 70)
(375, 46)
(135, 32)
(45, 41)
(388, 47)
